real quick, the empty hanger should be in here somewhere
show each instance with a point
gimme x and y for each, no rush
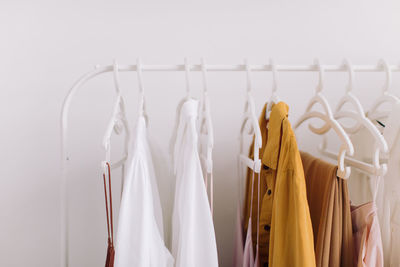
(330, 122)
(206, 127)
(357, 114)
(118, 123)
(187, 75)
(385, 98)
(274, 96)
(250, 117)
(206, 133)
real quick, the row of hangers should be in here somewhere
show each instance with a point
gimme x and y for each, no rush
(332, 120)
(119, 122)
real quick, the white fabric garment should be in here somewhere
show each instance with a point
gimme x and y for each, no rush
(193, 237)
(388, 200)
(139, 240)
(362, 186)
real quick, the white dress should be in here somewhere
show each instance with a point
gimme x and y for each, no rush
(139, 241)
(193, 237)
(388, 194)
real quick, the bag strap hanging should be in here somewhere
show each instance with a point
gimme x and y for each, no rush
(109, 215)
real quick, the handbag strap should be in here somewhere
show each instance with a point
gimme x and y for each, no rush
(109, 214)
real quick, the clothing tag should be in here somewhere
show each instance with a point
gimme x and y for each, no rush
(380, 123)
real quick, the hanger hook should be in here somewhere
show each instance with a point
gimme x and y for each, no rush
(139, 74)
(386, 67)
(204, 71)
(320, 69)
(349, 67)
(248, 75)
(187, 73)
(274, 76)
(116, 75)
(141, 87)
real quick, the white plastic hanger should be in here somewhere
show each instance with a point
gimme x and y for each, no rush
(250, 117)
(357, 114)
(206, 133)
(142, 106)
(386, 97)
(274, 96)
(330, 122)
(118, 123)
(187, 75)
(206, 127)
(175, 138)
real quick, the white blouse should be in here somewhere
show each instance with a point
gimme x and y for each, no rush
(193, 237)
(139, 240)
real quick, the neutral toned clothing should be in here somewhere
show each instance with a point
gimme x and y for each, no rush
(238, 246)
(193, 237)
(249, 259)
(362, 186)
(365, 191)
(330, 212)
(388, 196)
(140, 228)
(394, 257)
(248, 254)
(367, 236)
(286, 235)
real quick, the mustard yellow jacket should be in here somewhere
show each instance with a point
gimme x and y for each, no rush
(286, 234)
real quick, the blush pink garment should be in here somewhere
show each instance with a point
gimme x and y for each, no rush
(367, 236)
(248, 254)
(239, 246)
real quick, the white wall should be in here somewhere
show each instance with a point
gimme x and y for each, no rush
(46, 46)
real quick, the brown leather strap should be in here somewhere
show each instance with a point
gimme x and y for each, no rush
(109, 212)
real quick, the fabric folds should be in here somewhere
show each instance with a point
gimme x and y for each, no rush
(139, 240)
(193, 237)
(329, 204)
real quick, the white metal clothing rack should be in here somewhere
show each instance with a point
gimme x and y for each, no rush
(194, 67)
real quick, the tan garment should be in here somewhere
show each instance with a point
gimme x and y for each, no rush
(329, 204)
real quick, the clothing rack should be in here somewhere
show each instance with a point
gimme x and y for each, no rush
(241, 67)
(154, 68)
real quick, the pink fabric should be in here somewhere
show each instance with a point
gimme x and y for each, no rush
(248, 254)
(239, 247)
(257, 259)
(367, 236)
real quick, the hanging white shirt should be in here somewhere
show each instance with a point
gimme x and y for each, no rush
(139, 240)
(193, 237)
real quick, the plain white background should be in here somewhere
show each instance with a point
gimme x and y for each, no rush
(46, 45)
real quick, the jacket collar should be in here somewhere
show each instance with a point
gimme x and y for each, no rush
(278, 114)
